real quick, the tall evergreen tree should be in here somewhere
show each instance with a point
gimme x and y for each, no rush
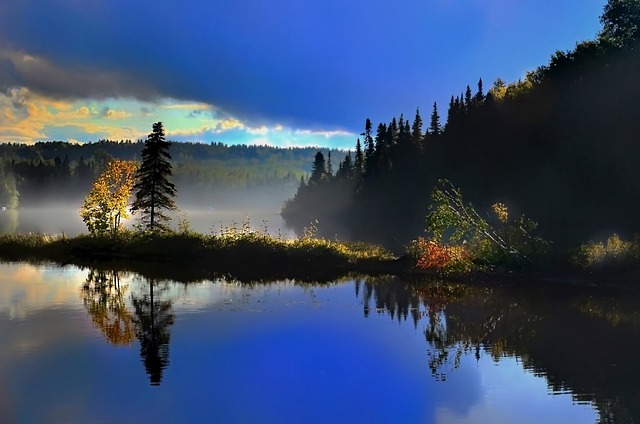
(479, 97)
(416, 129)
(467, 98)
(359, 160)
(318, 169)
(368, 140)
(434, 128)
(154, 191)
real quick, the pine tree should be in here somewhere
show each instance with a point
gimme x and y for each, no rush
(434, 128)
(318, 169)
(402, 134)
(154, 191)
(479, 97)
(467, 98)
(368, 140)
(359, 160)
(416, 129)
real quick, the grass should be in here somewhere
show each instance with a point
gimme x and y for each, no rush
(240, 252)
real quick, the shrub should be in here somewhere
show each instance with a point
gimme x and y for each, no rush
(615, 252)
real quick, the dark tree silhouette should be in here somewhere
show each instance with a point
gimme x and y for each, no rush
(620, 22)
(435, 128)
(154, 192)
(318, 169)
(152, 320)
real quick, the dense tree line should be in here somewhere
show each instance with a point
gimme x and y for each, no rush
(561, 145)
(60, 171)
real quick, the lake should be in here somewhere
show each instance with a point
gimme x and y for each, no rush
(84, 345)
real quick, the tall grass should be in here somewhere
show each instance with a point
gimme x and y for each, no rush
(241, 242)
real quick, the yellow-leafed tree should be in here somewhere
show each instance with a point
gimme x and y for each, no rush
(106, 203)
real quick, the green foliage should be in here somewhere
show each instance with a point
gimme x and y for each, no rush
(620, 23)
(452, 221)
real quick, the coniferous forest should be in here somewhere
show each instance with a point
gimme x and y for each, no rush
(562, 146)
(212, 174)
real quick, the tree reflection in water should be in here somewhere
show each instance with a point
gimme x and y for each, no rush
(579, 339)
(103, 296)
(152, 321)
(148, 320)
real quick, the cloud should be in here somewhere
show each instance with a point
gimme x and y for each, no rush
(28, 117)
(230, 124)
(110, 113)
(43, 77)
(187, 106)
(263, 130)
(326, 134)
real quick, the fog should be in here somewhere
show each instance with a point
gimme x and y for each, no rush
(257, 209)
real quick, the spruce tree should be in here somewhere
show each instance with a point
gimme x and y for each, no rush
(479, 97)
(318, 169)
(434, 128)
(368, 140)
(154, 192)
(416, 129)
(467, 98)
(359, 162)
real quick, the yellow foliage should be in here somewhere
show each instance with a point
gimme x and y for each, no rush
(595, 253)
(106, 203)
(501, 211)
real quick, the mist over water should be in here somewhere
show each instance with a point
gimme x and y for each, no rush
(64, 219)
(206, 211)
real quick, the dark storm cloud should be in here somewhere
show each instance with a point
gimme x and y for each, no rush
(300, 63)
(19, 69)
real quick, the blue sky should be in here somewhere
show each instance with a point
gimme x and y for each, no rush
(279, 72)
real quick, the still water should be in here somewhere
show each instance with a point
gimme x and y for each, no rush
(88, 346)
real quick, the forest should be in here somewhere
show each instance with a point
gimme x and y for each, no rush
(560, 145)
(207, 175)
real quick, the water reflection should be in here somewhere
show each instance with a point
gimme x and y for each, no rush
(148, 319)
(574, 340)
(435, 351)
(153, 316)
(104, 297)
(580, 340)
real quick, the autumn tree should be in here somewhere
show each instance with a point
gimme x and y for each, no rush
(104, 299)
(106, 203)
(154, 192)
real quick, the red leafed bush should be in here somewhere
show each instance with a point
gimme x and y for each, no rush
(430, 255)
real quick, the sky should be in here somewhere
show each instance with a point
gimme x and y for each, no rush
(278, 72)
